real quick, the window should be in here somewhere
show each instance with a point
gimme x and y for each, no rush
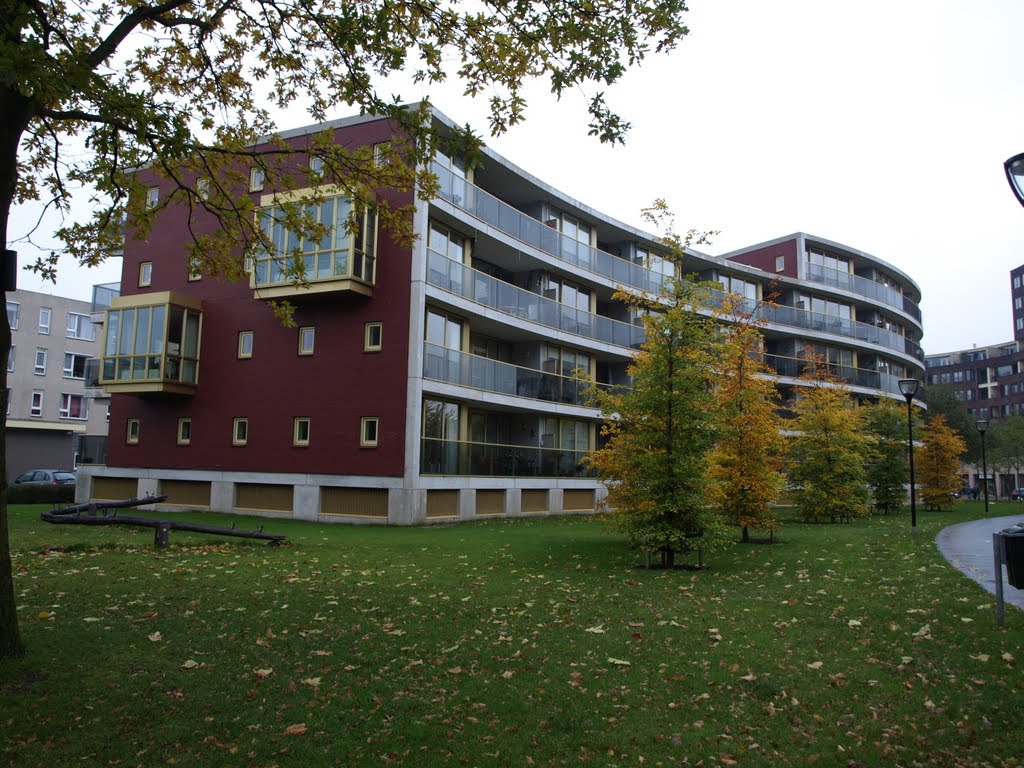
(74, 365)
(184, 430)
(152, 344)
(368, 428)
(152, 197)
(372, 337)
(8, 401)
(347, 251)
(13, 313)
(828, 260)
(240, 431)
(145, 274)
(1016, 281)
(300, 431)
(73, 406)
(655, 263)
(443, 330)
(40, 369)
(80, 327)
(10, 358)
(37, 403)
(245, 339)
(738, 286)
(316, 165)
(780, 263)
(44, 320)
(132, 432)
(194, 272)
(447, 243)
(203, 189)
(256, 179)
(381, 153)
(1018, 303)
(306, 338)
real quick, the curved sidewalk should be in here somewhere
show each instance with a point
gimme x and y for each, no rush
(968, 546)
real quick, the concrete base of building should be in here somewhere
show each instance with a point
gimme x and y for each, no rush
(352, 500)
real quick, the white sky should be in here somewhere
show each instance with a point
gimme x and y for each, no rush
(881, 124)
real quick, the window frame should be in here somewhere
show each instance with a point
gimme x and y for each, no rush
(365, 424)
(780, 263)
(152, 197)
(44, 328)
(69, 372)
(10, 358)
(297, 427)
(40, 370)
(303, 331)
(203, 189)
(36, 411)
(66, 399)
(240, 351)
(76, 333)
(257, 179)
(132, 430)
(374, 327)
(145, 274)
(243, 422)
(184, 434)
(14, 319)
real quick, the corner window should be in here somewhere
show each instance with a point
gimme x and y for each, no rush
(372, 337)
(37, 403)
(184, 430)
(152, 197)
(145, 274)
(73, 406)
(245, 339)
(40, 369)
(300, 431)
(132, 432)
(44, 320)
(307, 336)
(240, 431)
(256, 179)
(368, 431)
(13, 314)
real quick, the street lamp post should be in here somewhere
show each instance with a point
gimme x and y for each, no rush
(909, 388)
(1014, 168)
(982, 428)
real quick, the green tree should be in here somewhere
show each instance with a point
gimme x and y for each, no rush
(1006, 444)
(177, 86)
(827, 452)
(942, 401)
(938, 465)
(887, 470)
(745, 463)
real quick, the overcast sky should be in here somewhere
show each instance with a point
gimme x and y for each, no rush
(880, 124)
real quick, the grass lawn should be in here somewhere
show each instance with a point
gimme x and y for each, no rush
(508, 643)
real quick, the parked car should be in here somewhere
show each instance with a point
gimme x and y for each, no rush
(46, 477)
(1017, 494)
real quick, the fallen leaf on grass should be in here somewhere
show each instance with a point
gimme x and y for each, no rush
(263, 672)
(190, 664)
(312, 682)
(295, 730)
(815, 665)
(749, 678)
(156, 637)
(90, 618)
(595, 630)
(853, 623)
(1007, 656)
(619, 662)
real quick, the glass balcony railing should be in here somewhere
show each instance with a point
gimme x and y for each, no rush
(860, 377)
(454, 367)
(488, 208)
(103, 295)
(862, 286)
(505, 297)
(453, 457)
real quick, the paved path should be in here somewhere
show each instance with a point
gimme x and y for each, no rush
(968, 546)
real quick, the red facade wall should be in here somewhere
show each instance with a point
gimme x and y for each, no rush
(764, 258)
(334, 387)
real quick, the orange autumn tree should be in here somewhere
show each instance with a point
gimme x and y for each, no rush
(938, 463)
(746, 461)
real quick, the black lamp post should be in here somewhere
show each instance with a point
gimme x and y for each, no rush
(909, 388)
(982, 428)
(1014, 168)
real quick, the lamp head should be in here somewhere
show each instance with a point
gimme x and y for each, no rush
(1014, 168)
(982, 425)
(909, 388)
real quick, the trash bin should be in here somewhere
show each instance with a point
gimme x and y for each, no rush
(1013, 546)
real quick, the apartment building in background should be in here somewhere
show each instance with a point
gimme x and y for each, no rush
(435, 382)
(54, 420)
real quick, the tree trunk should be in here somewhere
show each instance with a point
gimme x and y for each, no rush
(668, 558)
(746, 534)
(16, 110)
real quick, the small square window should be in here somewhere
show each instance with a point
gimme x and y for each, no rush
(145, 274)
(203, 189)
(245, 340)
(316, 165)
(132, 432)
(44, 320)
(184, 430)
(257, 177)
(240, 431)
(307, 336)
(372, 337)
(780, 263)
(152, 197)
(37, 403)
(300, 431)
(368, 431)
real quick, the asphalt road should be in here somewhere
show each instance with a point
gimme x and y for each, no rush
(968, 546)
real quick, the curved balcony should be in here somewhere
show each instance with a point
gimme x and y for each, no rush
(794, 367)
(493, 211)
(454, 367)
(504, 297)
(455, 457)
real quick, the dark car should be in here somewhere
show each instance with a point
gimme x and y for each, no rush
(1017, 494)
(46, 477)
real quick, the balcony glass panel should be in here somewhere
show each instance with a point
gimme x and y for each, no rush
(863, 287)
(103, 295)
(452, 457)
